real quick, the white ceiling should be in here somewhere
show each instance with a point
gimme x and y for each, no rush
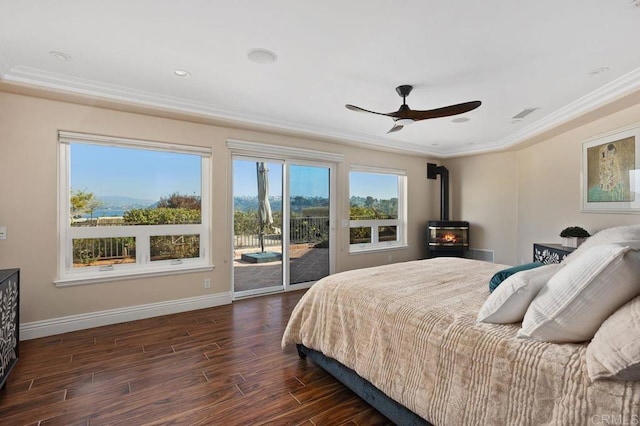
(509, 54)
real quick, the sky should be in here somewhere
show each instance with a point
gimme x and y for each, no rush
(136, 173)
(306, 181)
(378, 185)
(149, 175)
(310, 181)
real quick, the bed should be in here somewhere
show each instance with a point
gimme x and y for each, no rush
(405, 338)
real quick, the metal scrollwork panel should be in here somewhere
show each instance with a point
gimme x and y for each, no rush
(8, 324)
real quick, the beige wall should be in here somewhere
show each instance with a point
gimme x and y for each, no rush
(29, 194)
(530, 195)
(484, 191)
(512, 199)
(549, 189)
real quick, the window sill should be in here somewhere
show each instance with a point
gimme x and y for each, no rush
(120, 276)
(376, 249)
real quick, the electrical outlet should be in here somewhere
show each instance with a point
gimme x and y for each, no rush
(207, 283)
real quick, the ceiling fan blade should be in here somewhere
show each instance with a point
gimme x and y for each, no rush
(395, 128)
(444, 111)
(405, 115)
(358, 109)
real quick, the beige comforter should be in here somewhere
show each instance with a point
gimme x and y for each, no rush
(410, 329)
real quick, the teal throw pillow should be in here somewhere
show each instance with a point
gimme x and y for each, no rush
(506, 273)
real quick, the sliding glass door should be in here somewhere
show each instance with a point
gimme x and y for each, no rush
(309, 222)
(257, 226)
(282, 224)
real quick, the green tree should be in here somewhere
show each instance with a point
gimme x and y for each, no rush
(171, 210)
(370, 201)
(83, 201)
(363, 213)
(179, 201)
(162, 216)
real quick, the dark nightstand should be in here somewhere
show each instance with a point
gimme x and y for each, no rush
(550, 253)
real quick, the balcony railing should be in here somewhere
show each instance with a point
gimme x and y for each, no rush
(301, 230)
(311, 230)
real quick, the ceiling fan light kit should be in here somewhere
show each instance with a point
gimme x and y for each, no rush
(404, 121)
(405, 115)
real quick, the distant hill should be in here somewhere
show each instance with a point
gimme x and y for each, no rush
(118, 202)
(298, 203)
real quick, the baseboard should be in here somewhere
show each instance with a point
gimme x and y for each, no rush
(480, 254)
(33, 330)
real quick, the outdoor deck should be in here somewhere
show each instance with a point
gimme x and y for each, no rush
(307, 264)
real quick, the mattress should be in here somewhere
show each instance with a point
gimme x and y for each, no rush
(410, 330)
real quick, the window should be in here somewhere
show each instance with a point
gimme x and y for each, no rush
(131, 207)
(377, 208)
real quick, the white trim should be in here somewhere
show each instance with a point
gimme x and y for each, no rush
(54, 81)
(332, 219)
(33, 330)
(279, 152)
(377, 248)
(68, 137)
(610, 92)
(143, 266)
(243, 294)
(251, 151)
(400, 222)
(126, 274)
(379, 170)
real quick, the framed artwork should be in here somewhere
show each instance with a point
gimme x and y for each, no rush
(611, 172)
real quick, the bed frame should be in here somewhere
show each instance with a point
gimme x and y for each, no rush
(391, 409)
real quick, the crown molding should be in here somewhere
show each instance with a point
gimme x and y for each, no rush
(610, 92)
(53, 81)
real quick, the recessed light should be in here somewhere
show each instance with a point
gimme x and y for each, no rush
(181, 73)
(262, 56)
(460, 120)
(635, 3)
(61, 56)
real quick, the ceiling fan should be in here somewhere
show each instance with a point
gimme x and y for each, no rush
(405, 115)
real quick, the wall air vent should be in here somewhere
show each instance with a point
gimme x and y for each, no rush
(522, 114)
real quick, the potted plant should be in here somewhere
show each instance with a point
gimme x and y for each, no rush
(573, 236)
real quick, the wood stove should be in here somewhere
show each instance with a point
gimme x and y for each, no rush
(448, 238)
(445, 237)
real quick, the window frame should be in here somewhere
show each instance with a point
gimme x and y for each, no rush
(143, 266)
(374, 224)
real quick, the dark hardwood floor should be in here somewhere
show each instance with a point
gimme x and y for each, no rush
(217, 366)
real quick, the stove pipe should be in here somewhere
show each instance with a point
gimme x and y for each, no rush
(433, 170)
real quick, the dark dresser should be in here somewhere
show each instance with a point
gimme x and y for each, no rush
(550, 253)
(10, 322)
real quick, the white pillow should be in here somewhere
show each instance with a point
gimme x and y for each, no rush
(510, 300)
(614, 352)
(606, 236)
(576, 300)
